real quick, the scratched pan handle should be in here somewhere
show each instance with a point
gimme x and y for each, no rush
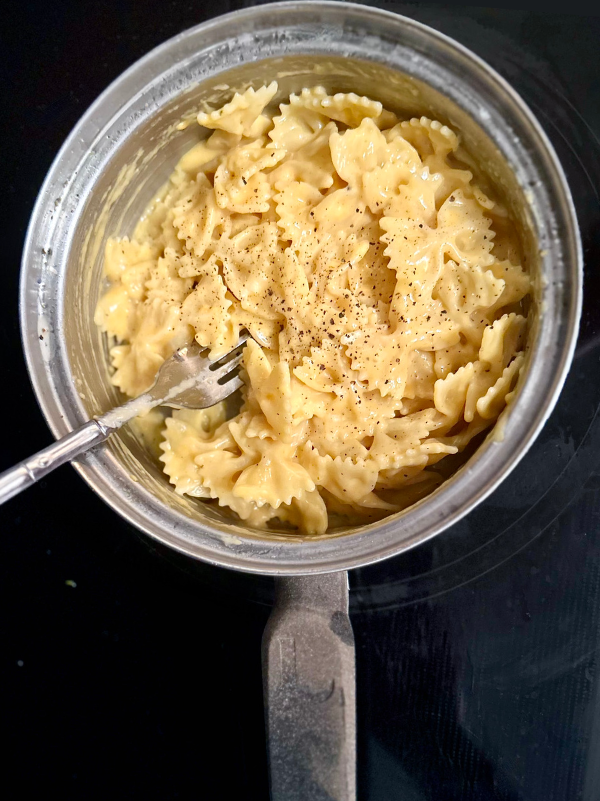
(309, 690)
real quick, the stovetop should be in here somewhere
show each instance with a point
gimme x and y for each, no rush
(131, 672)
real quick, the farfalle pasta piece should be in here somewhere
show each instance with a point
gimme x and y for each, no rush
(400, 443)
(423, 454)
(325, 369)
(330, 267)
(348, 108)
(381, 361)
(450, 393)
(219, 470)
(295, 127)
(265, 332)
(311, 163)
(502, 340)
(491, 404)
(253, 267)
(127, 267)
(421, 376)
(186, 435)
(473, 238)
(466, 290)
(366, 160)
(395, 477)
(206, 310)
(517, 283)
(277, 479)
(428, 137)
(240, 184)
(350, 420)
(372, 277)
(159, 332)
(129, 262)
(417, 250)
(416, 198)
(435, 142)
(272, 390)
(307, 512)
(165, 281)
(343, 478)
(295, 201)
(196, 217)
(462, 438)
(448, 360)
(240, 115)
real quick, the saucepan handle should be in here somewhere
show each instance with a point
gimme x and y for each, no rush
(309, 690)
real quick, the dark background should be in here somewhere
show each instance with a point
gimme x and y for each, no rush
(143, 680)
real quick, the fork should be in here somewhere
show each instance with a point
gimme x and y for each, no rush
(188, 379)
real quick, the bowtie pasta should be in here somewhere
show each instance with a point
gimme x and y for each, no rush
(382, 289)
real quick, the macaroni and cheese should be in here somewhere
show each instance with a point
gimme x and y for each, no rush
(381, 287)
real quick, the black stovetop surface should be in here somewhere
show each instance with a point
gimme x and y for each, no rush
(477, 654)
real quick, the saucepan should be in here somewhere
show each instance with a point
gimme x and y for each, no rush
(120, 153)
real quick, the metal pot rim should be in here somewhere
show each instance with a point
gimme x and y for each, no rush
(561, 259)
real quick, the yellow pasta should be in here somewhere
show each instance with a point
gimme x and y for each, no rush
(360, 256)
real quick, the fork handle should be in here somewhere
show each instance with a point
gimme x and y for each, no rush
(30, 470)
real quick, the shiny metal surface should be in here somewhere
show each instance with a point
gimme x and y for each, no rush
(123, 150)
(27, 472)
(309, 690)
(188, 379)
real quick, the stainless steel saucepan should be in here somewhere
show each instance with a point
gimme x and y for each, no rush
(119, 154)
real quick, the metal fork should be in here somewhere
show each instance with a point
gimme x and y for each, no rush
(188, 379)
